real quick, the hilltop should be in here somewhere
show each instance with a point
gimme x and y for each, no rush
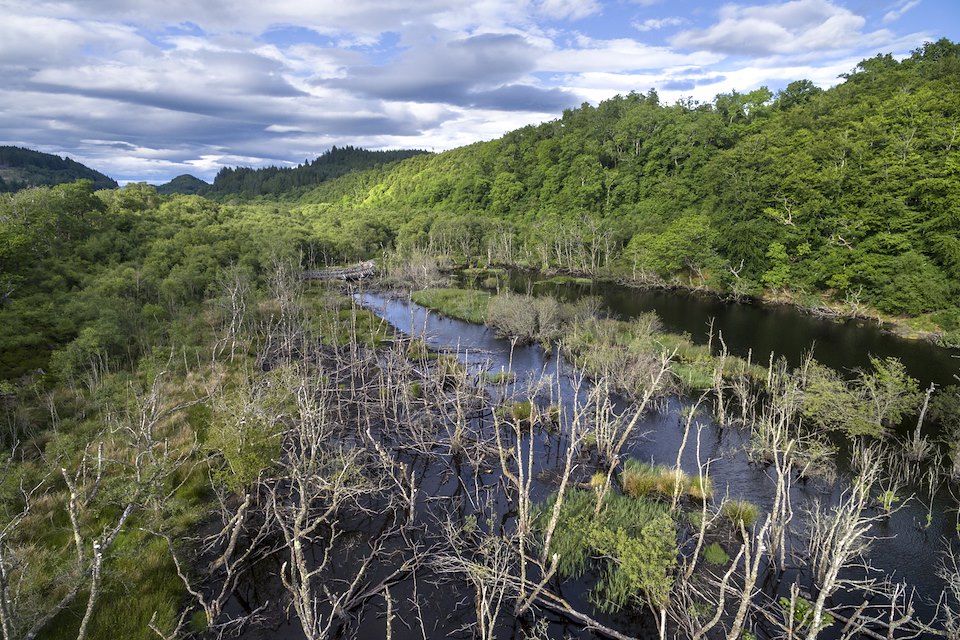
(246, 182)
(21, 168)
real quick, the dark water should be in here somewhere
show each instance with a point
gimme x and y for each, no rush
(759, 330)
(906, 550)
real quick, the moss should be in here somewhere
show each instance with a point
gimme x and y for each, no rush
(714, 554)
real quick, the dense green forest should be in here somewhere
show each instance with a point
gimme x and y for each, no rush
(22, 168)
(850, 195)
(184, 184)
(287, 181)
(853, 192)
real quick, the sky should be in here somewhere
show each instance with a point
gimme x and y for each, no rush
(150, 89)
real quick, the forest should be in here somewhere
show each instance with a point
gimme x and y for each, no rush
(845, 198)
(288, 182)
(200, 443)
(22, 168)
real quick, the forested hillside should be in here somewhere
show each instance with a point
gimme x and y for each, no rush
(21, 168)
(184, 184)
(246, 182)
(853, 191)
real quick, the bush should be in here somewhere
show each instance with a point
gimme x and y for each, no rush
(513, 316)
(632, 543)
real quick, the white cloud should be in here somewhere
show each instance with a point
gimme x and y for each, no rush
(898, 10)
(621, 54)
(790, 27)
(569, 9)
(145, 89)
(652, 24)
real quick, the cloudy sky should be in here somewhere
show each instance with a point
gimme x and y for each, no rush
(149, 89)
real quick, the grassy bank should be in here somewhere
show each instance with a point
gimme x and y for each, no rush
(463, 304)
(616, 348)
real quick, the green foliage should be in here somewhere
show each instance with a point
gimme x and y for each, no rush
(866, 405)
(465, 304)
(632, 542)
(740, 512)
(803, 614)
(848, 191)
(245, 431)
(714, 554)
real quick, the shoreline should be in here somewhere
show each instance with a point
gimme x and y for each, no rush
(897, 326)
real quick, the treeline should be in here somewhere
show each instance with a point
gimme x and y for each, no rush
(90, 276)
(22, 168)
(272, 181)
(850, 194)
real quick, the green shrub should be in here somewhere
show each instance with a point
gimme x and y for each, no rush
(632, 543)
(803, 614)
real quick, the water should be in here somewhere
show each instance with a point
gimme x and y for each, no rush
(906, 549)
(763, 329)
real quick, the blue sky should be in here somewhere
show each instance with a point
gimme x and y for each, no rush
(146, 90)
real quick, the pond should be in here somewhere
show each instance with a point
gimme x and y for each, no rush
(759, 330)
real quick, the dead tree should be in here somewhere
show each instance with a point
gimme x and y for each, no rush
(840, 535)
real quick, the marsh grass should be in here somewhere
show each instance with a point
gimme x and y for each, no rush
(499, 377)
(641, 479)
(740, 512)
(463, 304)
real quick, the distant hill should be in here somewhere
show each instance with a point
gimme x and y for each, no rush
(21, 168)
(185, 184)
(272, 181)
